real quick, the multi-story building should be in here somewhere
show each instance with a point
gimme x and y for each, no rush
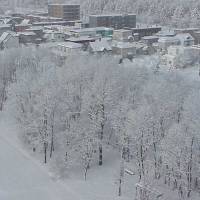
(97, 31)
(116, 21)
(194, 32)
(181, 56)
(68, 12)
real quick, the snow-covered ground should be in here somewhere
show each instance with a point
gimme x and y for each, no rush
(24, 178)
(21, 177)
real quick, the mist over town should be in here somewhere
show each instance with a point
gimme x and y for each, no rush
(99, 100)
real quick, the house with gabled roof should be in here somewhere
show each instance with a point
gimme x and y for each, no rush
(9, 40)
(185, 39)
(4, 28)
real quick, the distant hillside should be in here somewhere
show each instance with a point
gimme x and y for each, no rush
(179, 13)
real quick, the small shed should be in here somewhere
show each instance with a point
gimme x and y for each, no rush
(185, 39)
(125, 49)
(100, 46)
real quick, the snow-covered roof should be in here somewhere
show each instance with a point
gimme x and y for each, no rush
(25, 22)
(196, 46)
(150, 37)
(70, 45)
(184, 37)
(187, 29)
(79, 39)
(122, 31)
(168, 39)
(22, 25)
(94, 29)
(7, 20)
(28, 33)
(145, 26)
(6, 35)
(44, 17)
(166, 33)
(35, 28)
(52, 31)
(5, 25)
(123, 45)
(100, 45)
(46, 23)
(3, 36)
(84, 30)
(103, 28)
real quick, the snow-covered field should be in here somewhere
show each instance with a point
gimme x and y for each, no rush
(23, 178)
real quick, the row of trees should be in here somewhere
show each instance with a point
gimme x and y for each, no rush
(178, 13)
(69, 114)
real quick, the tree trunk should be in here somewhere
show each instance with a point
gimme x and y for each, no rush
(52, 145)
(45, 152)
(121, 175)
(142, 156)
(3, 96)
(85, 173)
(45, 136)
(155, 154)
(101, 137)
(100, 154)
(189, 176)
(52, 136)
(120, 187)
